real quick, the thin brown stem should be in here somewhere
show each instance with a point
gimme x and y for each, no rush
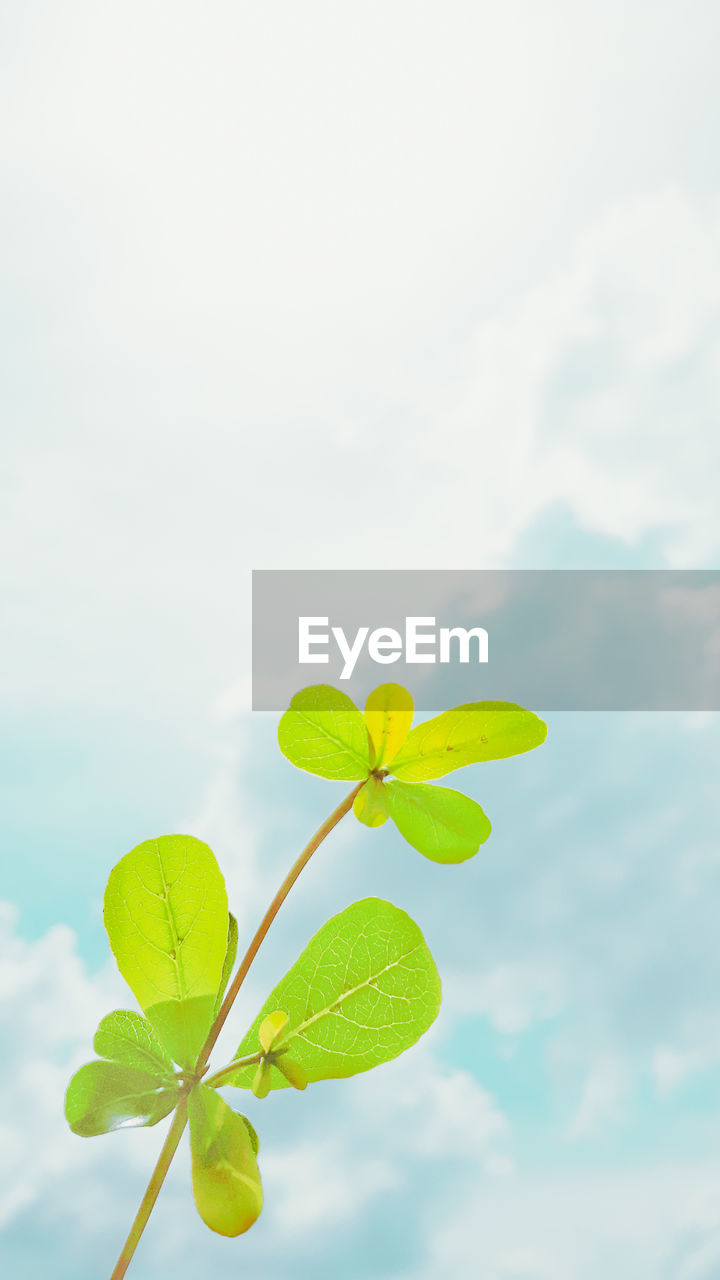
(180, 1119)
(170, 1146)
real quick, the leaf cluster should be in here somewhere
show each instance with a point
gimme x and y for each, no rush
(324, 732)
(362, 992)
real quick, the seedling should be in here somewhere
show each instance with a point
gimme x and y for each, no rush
(363, 991)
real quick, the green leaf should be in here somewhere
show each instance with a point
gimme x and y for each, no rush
(445, 825)
(166, 915)
(388, 715)
(324, 733)
(469, 734)
(229, 962)
(104, 1096)
(292, 1072)
(369, 805)
(129, 1039)
(225, 1176)
(262, 1079)
(271, 1029)
(363, 990)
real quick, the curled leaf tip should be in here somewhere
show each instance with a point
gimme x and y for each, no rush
(271, 1030)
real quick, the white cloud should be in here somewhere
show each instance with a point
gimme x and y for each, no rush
(315, 1184)
(513, 995)
(460, 1115)
(626, 1223)
(223, 820)
(601, 1103)
(49, 1010)
(433, 1112)
(248, 325)
(582, 394)
(575, 395)
(670, 1067)
(702, 1262)
(526, 1264)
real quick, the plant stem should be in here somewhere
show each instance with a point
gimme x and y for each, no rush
(170, 1146)
(268, 918)
(213, 1081)
(180, 1118)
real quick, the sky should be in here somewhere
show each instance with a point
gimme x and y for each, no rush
(399, 285)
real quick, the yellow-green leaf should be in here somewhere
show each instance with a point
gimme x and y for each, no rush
(262, 1079)
(271, 1030)
(388, 715)
(293, 1073)
(444, 825)
(229, 961)
(225, 1176)
(324, 733)
(104, 1096)
(128, 1038)
(166, 915)
(369, 805)
(363, 990)
(469, 734)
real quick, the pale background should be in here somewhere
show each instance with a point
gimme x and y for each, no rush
(361, 285)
